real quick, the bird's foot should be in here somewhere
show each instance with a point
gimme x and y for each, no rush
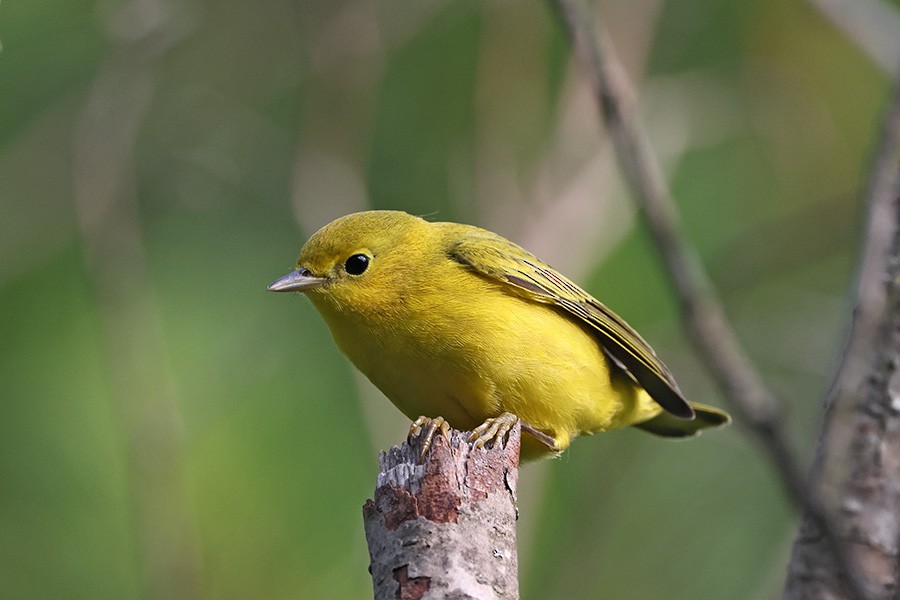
(493, 430)
(430, 426)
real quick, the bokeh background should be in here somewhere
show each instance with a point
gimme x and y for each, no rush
(170, 430)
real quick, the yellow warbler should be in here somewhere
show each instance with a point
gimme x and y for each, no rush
(458, 323)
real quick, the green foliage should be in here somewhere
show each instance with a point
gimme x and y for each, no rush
(425, 124)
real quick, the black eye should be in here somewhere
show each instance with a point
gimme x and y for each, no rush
(357, 264)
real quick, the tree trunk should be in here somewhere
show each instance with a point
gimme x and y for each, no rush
(857, 468)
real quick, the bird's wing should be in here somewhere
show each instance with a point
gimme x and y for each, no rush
(496, 257)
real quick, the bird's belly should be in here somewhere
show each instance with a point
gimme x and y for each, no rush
(438, 388)
(517, 356)
(514, 356)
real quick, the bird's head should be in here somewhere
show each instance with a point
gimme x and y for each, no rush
(358, 262)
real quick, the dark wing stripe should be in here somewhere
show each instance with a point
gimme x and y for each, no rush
(513, 265)
(659, 384)
(601, 317)
(563, 283)
(621, 336)
(531, 285)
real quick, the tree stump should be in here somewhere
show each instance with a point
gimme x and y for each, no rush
(446, 528)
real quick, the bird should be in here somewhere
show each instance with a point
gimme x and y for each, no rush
(458, 326)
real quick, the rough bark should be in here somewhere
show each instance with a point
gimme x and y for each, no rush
(857, 468)
(859, 442)
(445, 528)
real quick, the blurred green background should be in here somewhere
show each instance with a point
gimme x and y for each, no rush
(170, 430)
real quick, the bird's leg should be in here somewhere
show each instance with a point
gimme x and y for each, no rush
(540, 436)
(493, 430)
(496, 428)
(431, 427)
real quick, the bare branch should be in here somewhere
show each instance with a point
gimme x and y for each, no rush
(858, 456)
(703, 316)
(871, 292)
(446, 527)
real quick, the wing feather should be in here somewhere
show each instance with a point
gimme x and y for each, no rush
(498, 258)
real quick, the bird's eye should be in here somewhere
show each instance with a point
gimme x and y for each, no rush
(357, 264)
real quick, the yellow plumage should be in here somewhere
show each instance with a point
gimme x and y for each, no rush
(453, 320)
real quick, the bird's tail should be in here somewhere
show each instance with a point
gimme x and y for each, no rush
(667, 425)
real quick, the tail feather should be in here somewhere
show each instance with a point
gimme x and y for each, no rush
(667, 425)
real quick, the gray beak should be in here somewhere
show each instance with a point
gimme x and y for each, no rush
(300, 280)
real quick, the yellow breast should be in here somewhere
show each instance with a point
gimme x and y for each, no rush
(464, 347)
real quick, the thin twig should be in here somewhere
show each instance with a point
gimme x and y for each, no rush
(703, 316)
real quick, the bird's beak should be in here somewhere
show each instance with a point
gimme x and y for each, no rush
(300, 280)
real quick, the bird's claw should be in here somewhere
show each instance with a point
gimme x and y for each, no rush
(431, 426)
(493, 430)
